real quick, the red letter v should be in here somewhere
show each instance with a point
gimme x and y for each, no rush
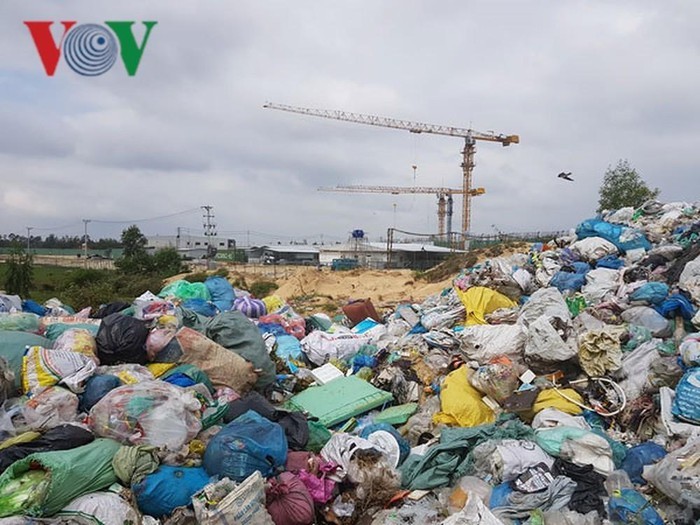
(48, 51)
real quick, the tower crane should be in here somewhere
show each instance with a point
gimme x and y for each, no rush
(444, 196)
(470, 137)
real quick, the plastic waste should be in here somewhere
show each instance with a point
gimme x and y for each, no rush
(148, 413)
(248, 443)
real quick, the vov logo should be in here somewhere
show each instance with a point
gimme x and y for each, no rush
(90, 49)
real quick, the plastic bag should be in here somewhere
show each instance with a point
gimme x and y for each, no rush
(159, 493)
(289, 501)
(106, 508)
(221, 292)
(639, 456)
(321, 347)
(121, 339)
(249, 443)
(250, 307)
(461, 403)
(629, 506)
(466, 487)
(649, 318)
(593, 248)
(184, 290)
(50, 407)
(19, 321)
(686, 405)
(77, 340)
(677, 475)
(690, 349)
(149, 413)
(44, 367)
(319, 485)
(484, 342)
(157, 339)
(226, 502)
(498, 379)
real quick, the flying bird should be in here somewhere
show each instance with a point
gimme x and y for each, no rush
(565, 176)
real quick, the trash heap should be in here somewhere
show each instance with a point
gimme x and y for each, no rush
(556, 386)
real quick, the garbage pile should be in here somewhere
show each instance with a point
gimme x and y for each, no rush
(557, 386)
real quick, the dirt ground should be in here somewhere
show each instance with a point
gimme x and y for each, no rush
(310, 290)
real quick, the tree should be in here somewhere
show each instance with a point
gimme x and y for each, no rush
(167, 262)
(20, 272)
(622, 186)
(134, 259)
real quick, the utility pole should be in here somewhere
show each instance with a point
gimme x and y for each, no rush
(209, 232)
(29, 236)
(85, 242)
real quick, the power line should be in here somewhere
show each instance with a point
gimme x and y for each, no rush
(131, 221)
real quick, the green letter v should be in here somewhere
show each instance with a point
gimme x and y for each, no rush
(131, 52)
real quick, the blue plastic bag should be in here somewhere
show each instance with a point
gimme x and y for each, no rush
(637, 457)
(288, 347)
(96, 388)
(652, 293)
(612, 262)
(201, 306)
(631, 507)
(160, 493)
(33, 307)
(248, 443)
(676, 304)
(686, 404)
(581, 267)
(623, 238)
(221, 291)
(568, 281)
(500, 496)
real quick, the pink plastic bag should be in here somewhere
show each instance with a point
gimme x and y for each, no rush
(319, 486)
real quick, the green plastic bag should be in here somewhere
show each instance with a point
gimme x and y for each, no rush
(319, 435)
(25, 491)
(576, 304)
(71, 473)
(184, 290)
(19, 321)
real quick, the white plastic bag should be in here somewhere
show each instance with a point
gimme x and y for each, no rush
(473, 513)
(321, 346)
(594, 248)
(226, 502)
(678, 475)
(599, 283)
(545, 344)
(547, 302)
(483, 342)
(648, 318)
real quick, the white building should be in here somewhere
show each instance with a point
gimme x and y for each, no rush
(194, 246)
(375, 254)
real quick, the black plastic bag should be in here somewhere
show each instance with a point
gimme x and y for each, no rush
(109, 309)
(62, 437)
(121, 339)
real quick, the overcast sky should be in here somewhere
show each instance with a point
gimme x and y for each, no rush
(584, 83)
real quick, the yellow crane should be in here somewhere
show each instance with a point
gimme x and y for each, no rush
(444, 196)
(470, 137)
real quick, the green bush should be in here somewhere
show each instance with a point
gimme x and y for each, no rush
(262, 288)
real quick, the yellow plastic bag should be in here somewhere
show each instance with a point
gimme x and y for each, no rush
(550, 398)
(480, 301)
(272, 303)
(158, 369)
(461, 403)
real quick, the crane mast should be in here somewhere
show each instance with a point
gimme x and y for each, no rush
(470, 137)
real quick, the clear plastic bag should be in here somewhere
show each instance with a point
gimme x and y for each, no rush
(149, 413)
(498, 379)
